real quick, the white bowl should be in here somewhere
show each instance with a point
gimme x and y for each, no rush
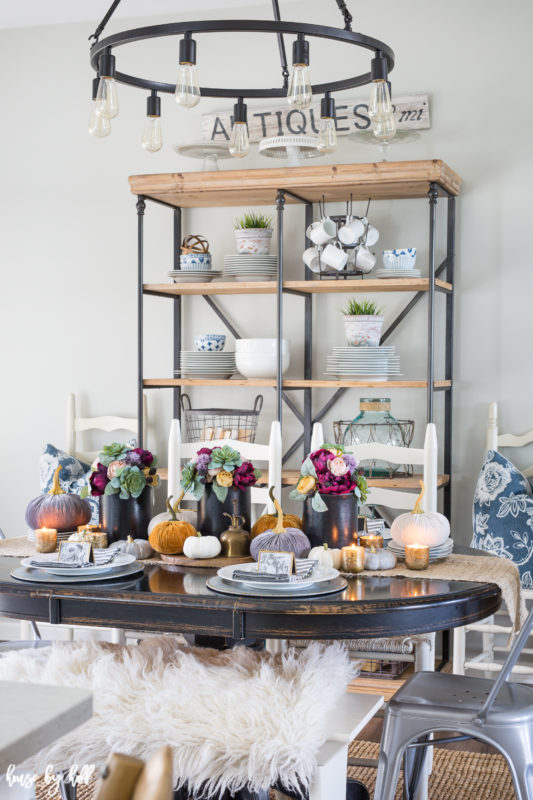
(261, 365)
(260, 345)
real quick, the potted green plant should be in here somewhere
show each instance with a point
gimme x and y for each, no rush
(253, 233)
(362, 323)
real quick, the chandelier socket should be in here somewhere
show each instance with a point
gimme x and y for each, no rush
(300, 51)
(379, 68)
(153, 105)
(106, 65)
(187, 50)
(240, 111)
(327, 107)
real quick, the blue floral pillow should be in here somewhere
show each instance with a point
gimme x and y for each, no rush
(72, 478)
(503, 514)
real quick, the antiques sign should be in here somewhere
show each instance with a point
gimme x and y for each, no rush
(410, 112)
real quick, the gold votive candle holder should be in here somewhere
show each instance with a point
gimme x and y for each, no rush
(88, 528)
(371, 540)
(45, 540)
(416, 556)
(353, 558)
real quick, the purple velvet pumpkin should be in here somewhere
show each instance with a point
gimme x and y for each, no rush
(290, 540)
(57, 509)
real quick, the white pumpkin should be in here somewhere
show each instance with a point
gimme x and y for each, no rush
(201, 546)
(379, 558)
(420, 527)
(139, 548)
(182, 514)
(326, 556)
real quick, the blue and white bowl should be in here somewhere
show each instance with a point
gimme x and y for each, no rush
(399, 259)
(210, 342)
(195, 261)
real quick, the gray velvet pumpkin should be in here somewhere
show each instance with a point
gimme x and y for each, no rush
(280, 538)
(57, 509)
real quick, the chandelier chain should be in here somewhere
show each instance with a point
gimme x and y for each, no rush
(348, 19)
(105, 20)
(281, 45)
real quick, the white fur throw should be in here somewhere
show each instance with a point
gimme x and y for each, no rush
(233, 719)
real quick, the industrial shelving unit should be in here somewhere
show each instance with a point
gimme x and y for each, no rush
(430, 179)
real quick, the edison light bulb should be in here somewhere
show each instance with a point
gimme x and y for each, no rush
(380, 110)
(187, 88)
(152, 139)
(239, 144)
(98, 126)
(107, 98)
(327, 137)
(300, 93)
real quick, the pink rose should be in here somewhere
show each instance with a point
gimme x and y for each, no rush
(114, 467)
(338, 466)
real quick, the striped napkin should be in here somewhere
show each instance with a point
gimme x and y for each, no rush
(304, 568)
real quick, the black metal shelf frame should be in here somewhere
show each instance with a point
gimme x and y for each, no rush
(307, 418)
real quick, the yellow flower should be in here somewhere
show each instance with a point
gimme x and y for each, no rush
(224, 478)
(306, 484)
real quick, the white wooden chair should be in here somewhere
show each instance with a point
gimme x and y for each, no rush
(179, 451)
(485, 660)
(76, 425)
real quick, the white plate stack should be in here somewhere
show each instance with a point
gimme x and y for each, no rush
(250, 267)
(363, 363)
(205, 365)
(193, 275)
(435, 553)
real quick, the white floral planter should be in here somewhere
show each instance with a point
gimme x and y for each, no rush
(253, 240)
(363, 331)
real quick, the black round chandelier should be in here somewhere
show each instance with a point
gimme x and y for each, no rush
(296, 85)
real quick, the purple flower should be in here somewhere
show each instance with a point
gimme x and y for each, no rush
(202, 461)
(98, 480)
(138, 458)
(244, 475)
(204, 451)
(351, 461)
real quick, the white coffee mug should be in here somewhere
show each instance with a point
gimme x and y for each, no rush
(311, 258)
(322, 232)
(351, 231)
(364, 259)
(334, 256)
(372, 236)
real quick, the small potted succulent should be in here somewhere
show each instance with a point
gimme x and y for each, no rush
(331, 483)
(253, 233)
(122, 478)
(362, 323)
(221, 481)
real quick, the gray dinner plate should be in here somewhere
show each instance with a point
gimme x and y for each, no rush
(39, 576)
(216, 584)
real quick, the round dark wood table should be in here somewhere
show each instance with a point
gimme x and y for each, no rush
(176, 599)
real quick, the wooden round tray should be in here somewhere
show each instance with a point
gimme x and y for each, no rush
(219, 561)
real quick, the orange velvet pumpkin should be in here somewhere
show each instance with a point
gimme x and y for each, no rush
(168, 536)
(268, 521)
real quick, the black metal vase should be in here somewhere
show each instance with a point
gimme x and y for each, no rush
(123, 518)
(211, 519)
(337, 526)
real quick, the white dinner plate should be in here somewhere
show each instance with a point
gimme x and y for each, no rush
(48, 565)
(319, 575)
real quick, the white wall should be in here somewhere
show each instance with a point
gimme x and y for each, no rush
(68, 247)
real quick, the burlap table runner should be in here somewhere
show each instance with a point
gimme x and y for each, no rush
(480, 569)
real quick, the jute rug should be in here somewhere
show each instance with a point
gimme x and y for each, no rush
(456, 774)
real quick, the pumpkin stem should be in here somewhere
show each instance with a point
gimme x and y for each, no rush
(176, 505)
(325, 545)
(417, 509)
(279, 524)
(130, 539)
(167, 503)
(56, 488)
(198, 533)
(172, 512)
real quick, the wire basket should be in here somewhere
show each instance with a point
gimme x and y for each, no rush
(205, 424)
(378, 668)
(344, 430)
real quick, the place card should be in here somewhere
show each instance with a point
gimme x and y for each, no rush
(275, 562)
(75, 553)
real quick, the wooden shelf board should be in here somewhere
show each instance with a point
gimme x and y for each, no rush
(290, 477)
(314, 287)
(384, 180)
(162, 383)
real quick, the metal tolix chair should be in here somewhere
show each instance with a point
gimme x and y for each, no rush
(497, 712)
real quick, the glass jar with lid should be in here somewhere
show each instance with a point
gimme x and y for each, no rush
(375, 423)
